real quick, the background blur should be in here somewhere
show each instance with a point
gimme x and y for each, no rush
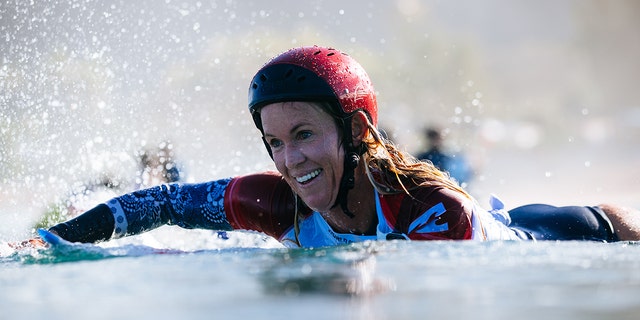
(541, 96)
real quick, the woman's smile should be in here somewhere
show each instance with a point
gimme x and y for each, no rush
(308, 177)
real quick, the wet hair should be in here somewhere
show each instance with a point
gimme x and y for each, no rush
(392, 170)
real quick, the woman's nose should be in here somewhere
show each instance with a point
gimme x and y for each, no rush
(293, 156)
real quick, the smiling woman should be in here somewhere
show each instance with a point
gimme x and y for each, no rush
(338, 181)
(306, 149)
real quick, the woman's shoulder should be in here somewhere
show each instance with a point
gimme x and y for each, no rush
(440, 194)
(431, 213)
(427, 198)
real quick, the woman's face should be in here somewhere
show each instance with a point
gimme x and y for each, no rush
(306, 150)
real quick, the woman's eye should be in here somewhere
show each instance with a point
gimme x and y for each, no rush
(304, 135)
(274, 143)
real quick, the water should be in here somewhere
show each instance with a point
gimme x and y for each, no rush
(250, 276)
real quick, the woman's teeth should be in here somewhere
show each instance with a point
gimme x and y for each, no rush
(308, 176)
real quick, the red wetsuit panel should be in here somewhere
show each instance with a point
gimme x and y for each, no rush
(261, 202)
(401, 210)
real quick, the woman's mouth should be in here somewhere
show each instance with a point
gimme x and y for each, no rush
(307, 177)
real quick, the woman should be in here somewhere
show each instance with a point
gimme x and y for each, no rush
(338, 180)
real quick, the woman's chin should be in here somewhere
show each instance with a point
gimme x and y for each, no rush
(317, 206)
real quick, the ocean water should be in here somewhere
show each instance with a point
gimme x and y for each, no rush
(190, 274)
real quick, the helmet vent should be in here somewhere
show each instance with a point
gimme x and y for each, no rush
(288, 74)
(302, 78)
(263, 78)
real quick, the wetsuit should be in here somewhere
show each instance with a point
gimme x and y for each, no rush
(264, 202)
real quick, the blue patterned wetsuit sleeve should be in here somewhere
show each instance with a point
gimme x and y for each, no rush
(186, 205)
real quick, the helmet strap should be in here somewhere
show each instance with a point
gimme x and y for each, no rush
(351, 161)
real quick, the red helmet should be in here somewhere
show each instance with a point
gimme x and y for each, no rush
(314, 74)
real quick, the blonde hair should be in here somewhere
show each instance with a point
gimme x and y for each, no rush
(391, 170)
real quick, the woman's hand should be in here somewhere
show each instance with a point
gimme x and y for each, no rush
(36, 243)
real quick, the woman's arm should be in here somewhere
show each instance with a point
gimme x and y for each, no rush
(261, 202)
(186, 205)
(92, 226)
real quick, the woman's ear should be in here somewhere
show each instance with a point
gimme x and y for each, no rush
(359, 128)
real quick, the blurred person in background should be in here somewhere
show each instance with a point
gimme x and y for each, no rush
(455, 164)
